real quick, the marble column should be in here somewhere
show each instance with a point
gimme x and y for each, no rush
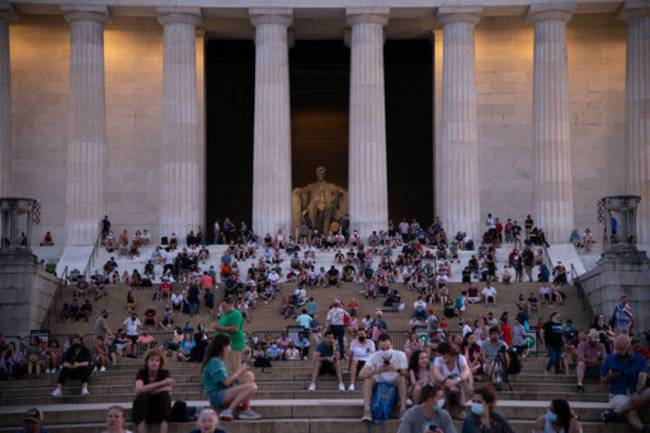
(637, 112)
(457, 179)
(85, 204)
(7, 14)
(272, 130)
(181, 175)
(368, 173)
(552, 180)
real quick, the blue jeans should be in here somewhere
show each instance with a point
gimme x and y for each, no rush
(554, 357)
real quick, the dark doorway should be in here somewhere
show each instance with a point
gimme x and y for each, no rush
(320, 76)
(409, 128)
(230, 93)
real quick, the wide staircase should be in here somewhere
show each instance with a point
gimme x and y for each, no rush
(282, 398)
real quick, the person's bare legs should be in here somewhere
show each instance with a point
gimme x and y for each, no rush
(142, 427)
(163, 427)
(368, 387)
(633, 420)
(239, 394)
(314, 374)
(401, 384)
(337, 367)
(353, 371)
(636, 402)
(417, 390)
(581, 371)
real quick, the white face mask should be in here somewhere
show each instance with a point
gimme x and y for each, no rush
(387, 354)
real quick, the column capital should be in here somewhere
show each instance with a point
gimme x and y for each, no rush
(369, 15)
(182, 15)
(80, 12)
(280, 16)
(8, 12)
(551, 11)
(459, 14)
(634, 9)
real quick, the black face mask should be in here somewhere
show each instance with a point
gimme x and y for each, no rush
(76, 346)
(362, 339)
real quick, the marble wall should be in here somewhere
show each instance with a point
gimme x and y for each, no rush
(133, 58)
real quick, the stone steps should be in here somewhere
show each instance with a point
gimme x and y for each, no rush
(310, 425)
(273, 409)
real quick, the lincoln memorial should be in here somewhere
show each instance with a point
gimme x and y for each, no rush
(170, 114)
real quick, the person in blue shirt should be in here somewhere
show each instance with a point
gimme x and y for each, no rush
(224, 390)
(626, 373)
(327, 359)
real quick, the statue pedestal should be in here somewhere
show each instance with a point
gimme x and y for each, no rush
(622, 270)
(26, 291)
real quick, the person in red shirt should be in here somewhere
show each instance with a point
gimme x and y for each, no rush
(206, 281)
(506, 332)
(499, 230)
(165, 289)
(637, 348)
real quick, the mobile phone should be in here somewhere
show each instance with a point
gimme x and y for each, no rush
(432, 427)
(386, 362)
(615, 370)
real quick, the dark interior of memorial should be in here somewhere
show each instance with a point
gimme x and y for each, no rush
(319, 77)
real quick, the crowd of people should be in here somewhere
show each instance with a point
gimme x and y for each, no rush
(437, 371)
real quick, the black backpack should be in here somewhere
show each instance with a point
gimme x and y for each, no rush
(515, 364)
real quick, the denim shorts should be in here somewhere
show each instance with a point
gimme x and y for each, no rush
(217, 397)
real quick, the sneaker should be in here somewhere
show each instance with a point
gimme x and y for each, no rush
(367, 416)
(351, 387)
(47, 371)
(102, 369)
(312, 387)
(609, 416)
(249, 414)
(95, 369)
(341, 387)
(580, 388)
(57, 393)
(226, 415)
(409, 402)
(84, 392)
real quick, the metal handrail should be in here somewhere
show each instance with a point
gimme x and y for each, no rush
(56, 297)
(93, 254)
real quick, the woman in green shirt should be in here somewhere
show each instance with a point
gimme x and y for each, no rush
(223, 390)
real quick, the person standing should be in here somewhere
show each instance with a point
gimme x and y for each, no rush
(232, 323)
(622, 317)
(336, 322)
(101, 327)
(554, 342)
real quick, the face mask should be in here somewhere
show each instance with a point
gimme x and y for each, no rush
(551, 417)
(440, 403)
(76, 346)
(477, 409)
(387, 353)
(362, 339)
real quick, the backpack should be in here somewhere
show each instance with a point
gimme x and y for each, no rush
(515, 364)
(382, 401)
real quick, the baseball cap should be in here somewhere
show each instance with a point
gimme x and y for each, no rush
(33, 415)
(104, 311)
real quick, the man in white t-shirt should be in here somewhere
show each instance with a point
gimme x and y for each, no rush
(361, 348)
(273, 279)
(489, 294)
(385, 365)
(132, 324)
(544, 293)
(419, 308)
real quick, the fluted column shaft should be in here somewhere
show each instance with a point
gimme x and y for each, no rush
(6, 15)
(368, 173)
(637, 114)
(86, 122)
(552, 180)
(272, 130)
(457, 180)
(181, 147)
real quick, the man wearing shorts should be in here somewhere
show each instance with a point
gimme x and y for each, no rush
(361, 348)
(232, 323)
(327, 359)
(591, 355)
